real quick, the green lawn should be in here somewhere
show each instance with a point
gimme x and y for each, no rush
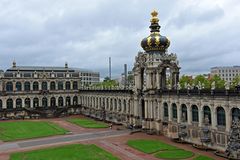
(10, 131)
(150, 146)
(87, 123)
(160, 149)
(68, 152)
(174, 154)
(202, 158)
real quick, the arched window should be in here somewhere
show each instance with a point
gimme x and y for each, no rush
(35, 102)
(52, 86)
(27, 103)
(165, 108)
(174, 111)
(9, 104)
(184, 113)
(235, 114)
(60, 85)
(26, 86)
(68, 101)
(75, 85)
(68, 85)
(221, 118)
(207, 114)
(1, 104)
(44, 86)
(19, 103)
(195, 117)
(18, 86)
(75, 100)
(35, 86)
(53, 102)
(44, 102)
(60, 101)
(9, 87)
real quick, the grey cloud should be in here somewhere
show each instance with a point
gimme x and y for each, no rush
(85, 33)
(196, 15)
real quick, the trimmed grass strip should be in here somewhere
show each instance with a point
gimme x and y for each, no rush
(87, 123)
(67, 152)
(200, 157)
(17, 130)
(150, 146)
(174, 154)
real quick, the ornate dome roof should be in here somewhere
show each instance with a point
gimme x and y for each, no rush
(155, 42)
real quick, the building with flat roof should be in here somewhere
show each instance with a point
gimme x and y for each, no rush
(227, 73)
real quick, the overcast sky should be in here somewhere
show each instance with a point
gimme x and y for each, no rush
(84, 33)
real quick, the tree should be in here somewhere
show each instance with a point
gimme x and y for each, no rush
(185, 80)
(219, 83)
(107, 83)
(106, 79)
(130, 79)
(202, 80)
(235, 82)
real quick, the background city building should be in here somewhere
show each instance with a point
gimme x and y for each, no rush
(227, 73)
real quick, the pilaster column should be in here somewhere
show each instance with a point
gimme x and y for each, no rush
(151, 109)
(138, 108)
(31, 102)
(158, 80)
(228, 118)
(160, 110)
(48, 101)
(189, 115)
(14, 86)
(39, 85)
(147, 80)
(214, 117)
(14, 102)
(170, 113)
(48, 85)
(31, 85)
(146, 108)
(179, 114)
(40, 101)
(201, 116)
(172, 80)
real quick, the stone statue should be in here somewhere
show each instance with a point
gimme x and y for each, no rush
(213, 85)
(206, 120)
(185, 85)
(199, 85)
(178, 86)
(227, 85)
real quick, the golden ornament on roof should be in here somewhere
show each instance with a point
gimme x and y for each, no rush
(154, 18)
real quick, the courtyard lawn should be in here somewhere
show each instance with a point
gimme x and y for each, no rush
(160, 149)
(10, 131)
(87, 123)
(150, 146)
(68, 152)
(200, 157)
(174, 154)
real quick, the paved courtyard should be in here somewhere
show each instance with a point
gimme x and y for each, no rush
(113, 140)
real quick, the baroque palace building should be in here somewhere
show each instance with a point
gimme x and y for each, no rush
(155, 103)
(23, 88)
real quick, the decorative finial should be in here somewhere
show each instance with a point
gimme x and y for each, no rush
(154, 18)
(14, 64)
(66, 65)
